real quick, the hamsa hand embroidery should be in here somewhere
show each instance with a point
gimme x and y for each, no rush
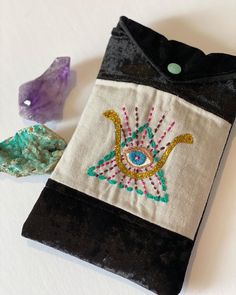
(137, 160)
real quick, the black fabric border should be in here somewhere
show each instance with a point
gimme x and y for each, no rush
(196, 65)
(110, 238)
(127, 59)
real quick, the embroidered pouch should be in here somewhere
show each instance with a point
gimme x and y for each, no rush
(129, 193)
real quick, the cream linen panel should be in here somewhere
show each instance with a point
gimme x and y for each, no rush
(189, 170)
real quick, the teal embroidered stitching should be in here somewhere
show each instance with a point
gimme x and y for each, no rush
(147, 131)
(129, 189)
(131, 158)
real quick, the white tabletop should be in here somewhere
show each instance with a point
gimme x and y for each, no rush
(32, 34)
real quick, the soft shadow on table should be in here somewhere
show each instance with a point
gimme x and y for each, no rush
(25, 179)
(85, 74)
(183, 29)
(205, 275)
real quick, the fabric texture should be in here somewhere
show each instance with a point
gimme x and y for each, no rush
(109, 238)
(129, 193)
(187, 164)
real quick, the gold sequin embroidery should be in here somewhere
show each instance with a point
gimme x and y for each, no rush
(114, 117)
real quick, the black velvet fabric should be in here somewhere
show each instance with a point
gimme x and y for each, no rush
(109, 237)
(112, 238)
(137, 54)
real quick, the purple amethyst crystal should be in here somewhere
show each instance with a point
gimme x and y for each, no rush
(42, 99)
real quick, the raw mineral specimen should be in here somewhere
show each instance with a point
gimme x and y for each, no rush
(32, 150)
(42, 99)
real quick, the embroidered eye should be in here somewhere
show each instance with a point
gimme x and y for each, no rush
(138, 157)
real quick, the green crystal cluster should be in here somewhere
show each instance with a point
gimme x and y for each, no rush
(32, 150)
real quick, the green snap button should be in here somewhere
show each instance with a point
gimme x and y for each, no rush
(174, 68)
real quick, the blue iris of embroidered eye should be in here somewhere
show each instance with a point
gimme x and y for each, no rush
(137, 157)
